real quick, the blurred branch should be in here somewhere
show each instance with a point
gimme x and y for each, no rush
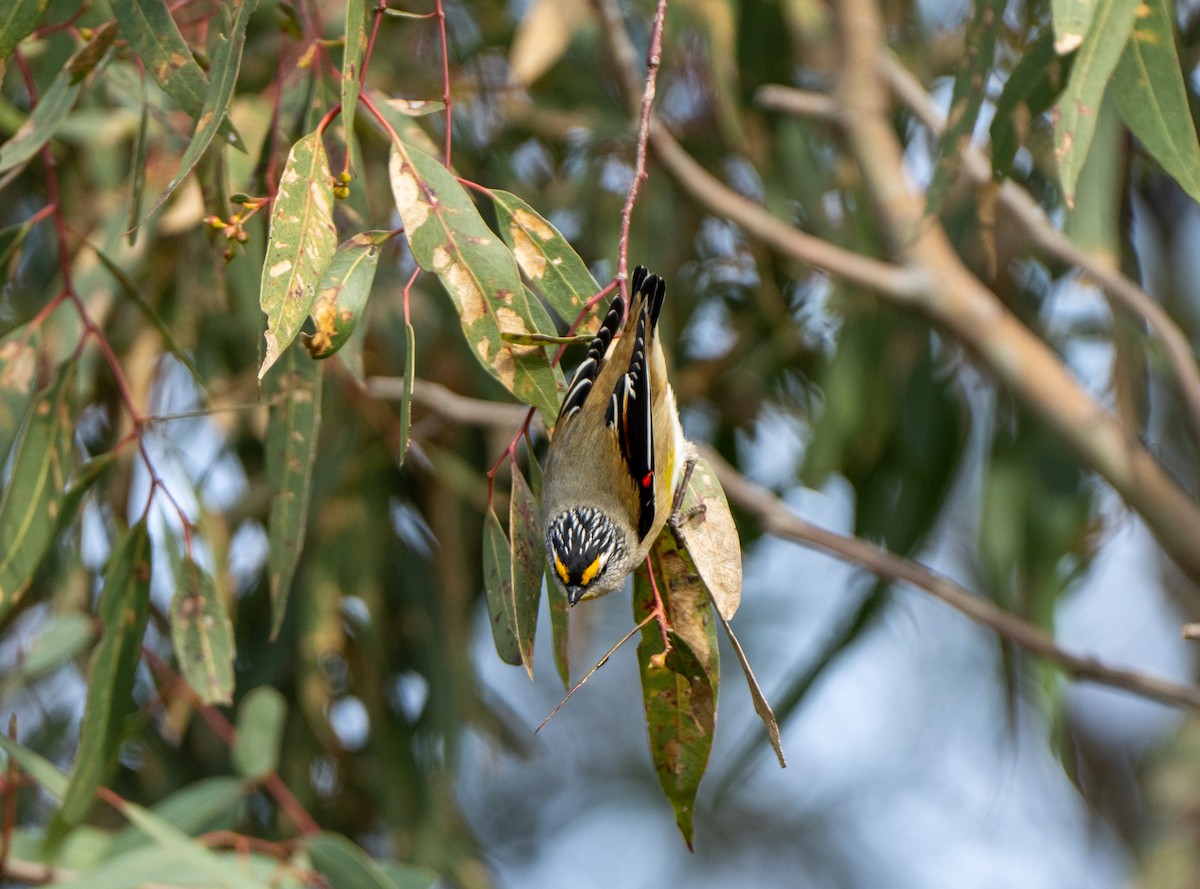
(1041, 234)
(958, 301)
(779, 520)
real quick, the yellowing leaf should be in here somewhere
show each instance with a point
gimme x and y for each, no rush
(711, 538)
(303, 240)
(202, 633)
(449, 238)
(343, 292)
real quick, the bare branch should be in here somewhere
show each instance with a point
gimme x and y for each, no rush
(780, 521)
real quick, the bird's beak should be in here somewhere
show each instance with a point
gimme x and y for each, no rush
(574, 594)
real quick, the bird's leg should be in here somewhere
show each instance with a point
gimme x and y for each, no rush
(678, 516)
(659, 613)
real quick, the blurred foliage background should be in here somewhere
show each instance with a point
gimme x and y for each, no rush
(807, 382)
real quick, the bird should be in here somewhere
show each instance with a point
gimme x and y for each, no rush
(617, 453)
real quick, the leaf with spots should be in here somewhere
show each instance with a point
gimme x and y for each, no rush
(449, 238)
(123, 610)
(1070, 20)
(155, 39)
(343, 291)
(548, 261)
(679, 691)
(201, 632)
(528, 562)
(302, 242)
(970, 89)
(1153, 99)
(497, 585)
(711, 538)
(31, 504)
(18, 373)
(293, 390)
(1078, 107)
(223, 75)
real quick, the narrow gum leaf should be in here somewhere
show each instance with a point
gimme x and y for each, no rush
(1077, 108)
(556, 597)
(41, 125)
(261, 718)
(547, 260)
(345, 864)
(711, 538)
(761, 705)
(1152, 98)
(156, 40)
(679, 691)
(302, 242)
(448, 237)
(343, 292)
(497, 584)
(1071, 19)
(30, 504)
(40, 769)
(123, 610)
(18, 373)
(410, 372)
(1030, 90)
(201, 633)
(294, 391)
(528, 563)
(223, 74)
(18, 18)
(353, 50)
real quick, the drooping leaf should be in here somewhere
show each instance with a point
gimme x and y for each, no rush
(1031, 89)
(155, 39)
(679, 690)
(449, 238)
(1071, 20)
(410, 372)
(37, 767)
(202, 806)
(346, 866)
(137, 172)
(1152, 97)
(18, 18)
(201, 633)
(30, 504)
(18, 373)
(497, 584)
(761, 706)
(556, 596)
(343, 291)
(1095, 222)
(52, 109)
(528, 562)
(261, 718)
(1078, 106)
(223, 74)
(294, 391)
(62, 638)
(711, 538)
(970, 89)
(353, 51)
(123, 609)
(303, 240)
(547, 260)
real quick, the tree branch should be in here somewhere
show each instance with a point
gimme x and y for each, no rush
(777, 519)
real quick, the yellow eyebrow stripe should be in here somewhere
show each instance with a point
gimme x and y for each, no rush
(590, 572)
(561, 569)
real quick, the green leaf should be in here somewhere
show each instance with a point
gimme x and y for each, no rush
(344, 864)
(556, 597)
(123, 609)
(201, 632)
(294, 392)
(1153, 99)
(18, 373)
(1095, 222)
(1076, 111)
(497, 584)
(711, 538)
(30, 504)
(18, 18)
(37, 767)
(200, 807)
(448, 237)
(51, 110)
(1071, 19)
(223, 74)
(528, 562)
(260, 723)
(352, 55)
(156, 41)
(137, 185)
(343, 292)
(547, 260)
(410, 372)
(60, 639)
(1030, 90)
(970, 89)
(303, 241)
(679, 691)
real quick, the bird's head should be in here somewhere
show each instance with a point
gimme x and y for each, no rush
(587, 552)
